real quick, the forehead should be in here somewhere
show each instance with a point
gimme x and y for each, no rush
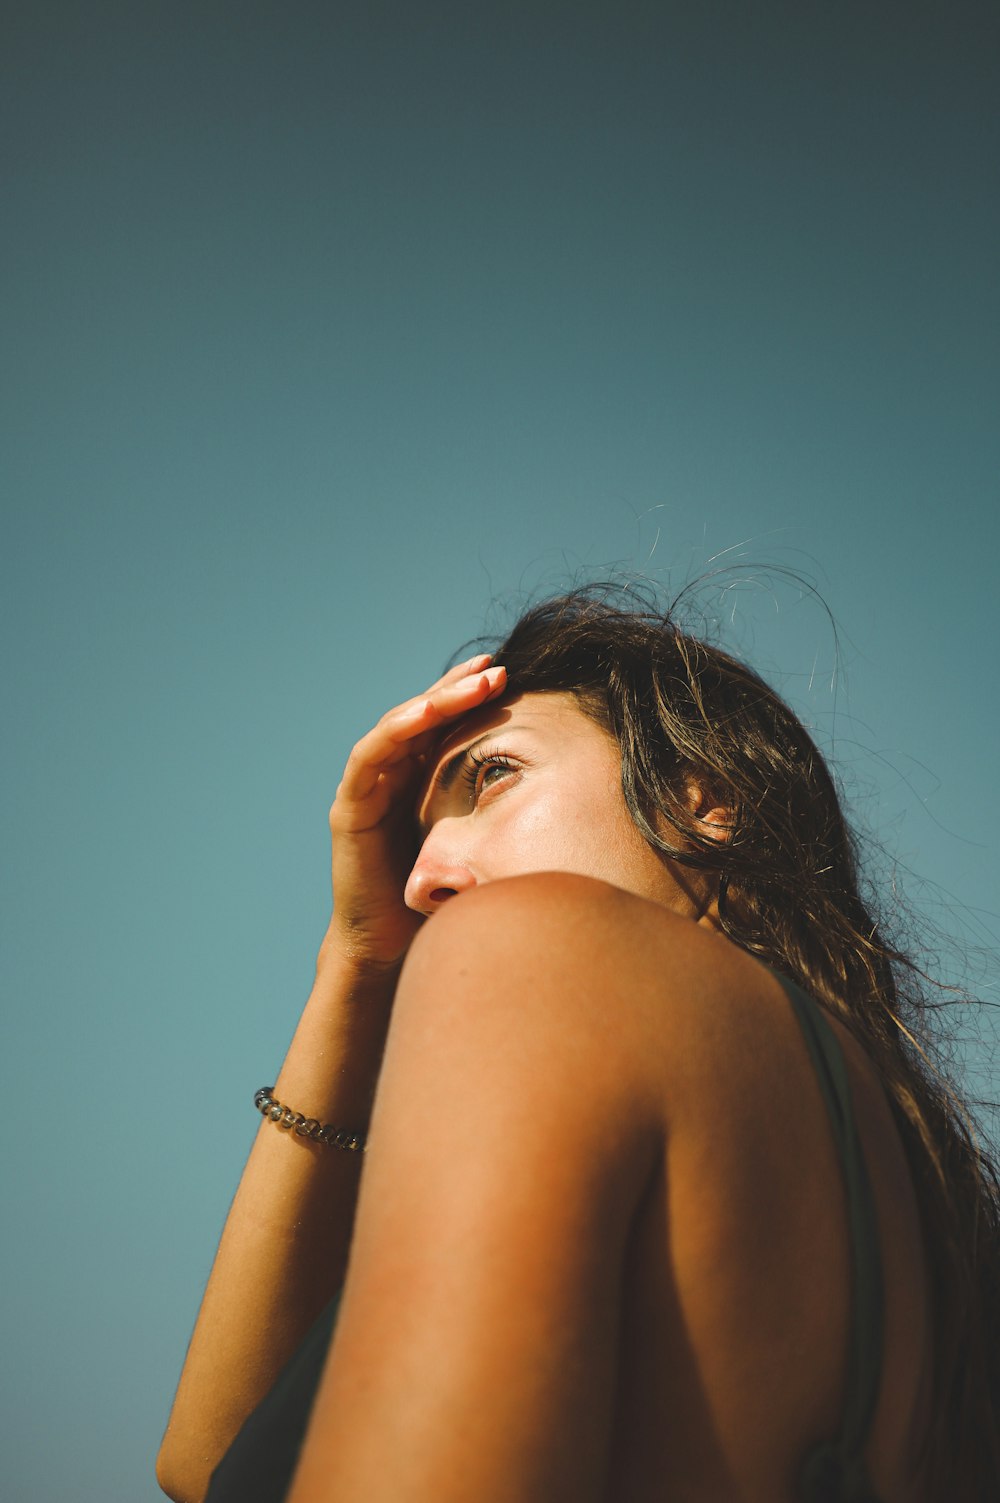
(539, 712)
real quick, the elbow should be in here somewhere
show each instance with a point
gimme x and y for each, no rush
(178, 1482)
(166, 1478)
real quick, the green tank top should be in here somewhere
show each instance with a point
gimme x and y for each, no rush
(834, 1471)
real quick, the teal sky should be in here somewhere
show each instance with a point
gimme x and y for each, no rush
(329, 332)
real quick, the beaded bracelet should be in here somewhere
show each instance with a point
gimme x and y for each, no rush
(306, 1127)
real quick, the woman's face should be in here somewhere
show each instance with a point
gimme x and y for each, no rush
(531, 784)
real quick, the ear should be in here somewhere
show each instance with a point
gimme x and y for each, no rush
(715, 818)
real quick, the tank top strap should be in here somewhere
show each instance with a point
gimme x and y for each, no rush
(833, 1471)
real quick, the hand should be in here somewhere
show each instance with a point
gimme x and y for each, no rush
(373, 818)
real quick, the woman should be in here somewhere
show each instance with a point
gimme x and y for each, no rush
(661, 1198)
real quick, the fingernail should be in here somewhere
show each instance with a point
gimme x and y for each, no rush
(479, 662)
(495, 675)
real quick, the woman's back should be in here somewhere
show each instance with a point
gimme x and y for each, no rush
(737, 1294)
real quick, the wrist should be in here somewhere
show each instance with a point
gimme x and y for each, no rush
(349, 968)
(332, 1065)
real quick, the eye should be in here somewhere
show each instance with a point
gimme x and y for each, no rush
(486, 769)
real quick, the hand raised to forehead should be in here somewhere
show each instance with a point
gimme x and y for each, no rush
(372, 818)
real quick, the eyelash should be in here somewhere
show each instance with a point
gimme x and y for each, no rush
(477, 761)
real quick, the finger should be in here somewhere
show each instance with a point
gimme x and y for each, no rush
(404, 732)
(448, 702)
(392, 788)
(478, 664)
(456, 675)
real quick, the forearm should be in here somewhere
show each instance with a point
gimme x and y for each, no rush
(285, 1243)
(284, 1248)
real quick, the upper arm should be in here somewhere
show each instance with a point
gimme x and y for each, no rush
(512, 1136)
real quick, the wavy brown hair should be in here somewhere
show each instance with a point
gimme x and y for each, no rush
(683, 711)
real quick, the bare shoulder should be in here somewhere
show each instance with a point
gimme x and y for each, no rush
(533, 981)
(545, 918)
(572, 952)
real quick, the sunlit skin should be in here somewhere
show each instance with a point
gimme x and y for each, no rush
(533, 784)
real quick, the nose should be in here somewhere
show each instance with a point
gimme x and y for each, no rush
(437, 876)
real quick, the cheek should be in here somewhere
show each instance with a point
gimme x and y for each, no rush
(538, 833)
(607, 843)
(564, 830)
